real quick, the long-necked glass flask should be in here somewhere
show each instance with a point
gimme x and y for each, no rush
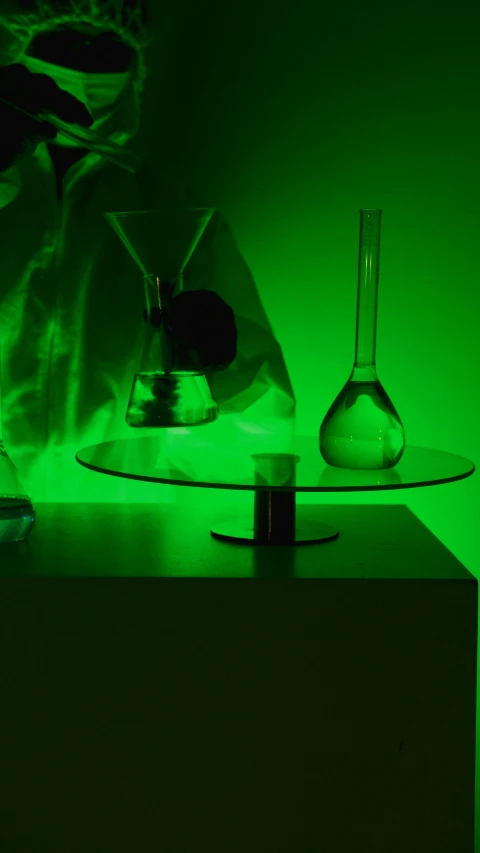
(17, 512)
(362, 428)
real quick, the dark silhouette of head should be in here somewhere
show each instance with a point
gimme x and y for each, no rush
(87, 44)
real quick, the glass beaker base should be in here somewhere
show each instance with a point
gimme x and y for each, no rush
(169, 400)
(17, 517)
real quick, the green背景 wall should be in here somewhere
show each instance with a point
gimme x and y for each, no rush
(289, 122)
(289, 119)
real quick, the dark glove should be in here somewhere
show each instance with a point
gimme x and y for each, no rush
(20, 134)
(204, 332)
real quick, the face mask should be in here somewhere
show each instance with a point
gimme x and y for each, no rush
(99, 92)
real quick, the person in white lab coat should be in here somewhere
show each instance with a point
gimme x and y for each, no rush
(71, 299)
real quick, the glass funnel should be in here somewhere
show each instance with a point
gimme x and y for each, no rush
(17, 513)
(170, 388)
(362, 428)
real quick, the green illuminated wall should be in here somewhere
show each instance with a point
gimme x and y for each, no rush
(289, 124)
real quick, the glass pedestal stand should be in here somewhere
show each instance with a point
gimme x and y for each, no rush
(276, 521)
(275, 479)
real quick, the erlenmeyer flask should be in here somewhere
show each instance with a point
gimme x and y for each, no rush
(17, 513)
(362, 428)
(168, 389)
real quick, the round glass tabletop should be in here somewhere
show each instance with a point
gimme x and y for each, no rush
(185, 460)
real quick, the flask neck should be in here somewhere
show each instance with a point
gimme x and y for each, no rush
(368, 271)
(367, 373)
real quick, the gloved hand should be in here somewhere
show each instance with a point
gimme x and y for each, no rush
(20, 134)
(203, 330)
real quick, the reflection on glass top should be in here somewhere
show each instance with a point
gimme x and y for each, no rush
(187, 459)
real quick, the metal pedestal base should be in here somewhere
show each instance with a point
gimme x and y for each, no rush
(276, 521)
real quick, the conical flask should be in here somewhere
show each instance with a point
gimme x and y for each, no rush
(362, 428)
(17, 513)
(168, 390)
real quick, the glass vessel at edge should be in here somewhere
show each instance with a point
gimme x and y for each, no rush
(17, 512)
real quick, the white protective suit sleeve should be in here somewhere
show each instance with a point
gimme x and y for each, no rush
(10, 185)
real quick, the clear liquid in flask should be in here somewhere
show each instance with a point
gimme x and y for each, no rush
(17, 517)
(174, 399)
(362, 428)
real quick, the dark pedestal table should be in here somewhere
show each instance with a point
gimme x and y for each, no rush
(163, 690)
